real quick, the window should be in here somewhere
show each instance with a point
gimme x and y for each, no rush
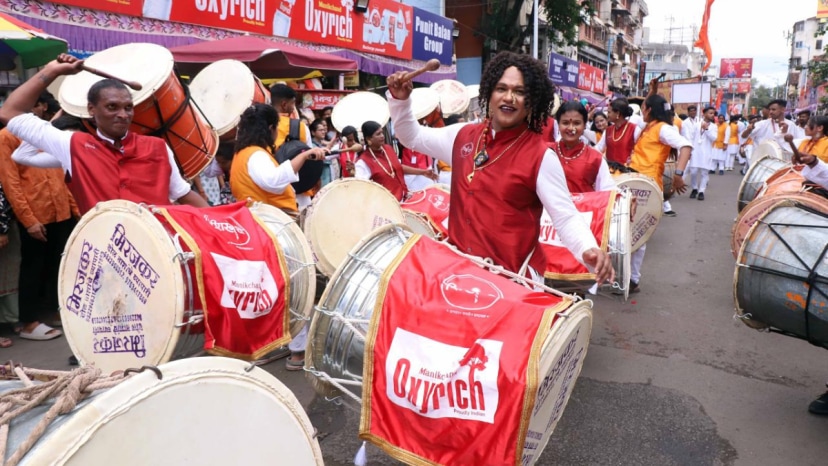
(658, 57)
(819, 44)
(799, 27)
(798, 44)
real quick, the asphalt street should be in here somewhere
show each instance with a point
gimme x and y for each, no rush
(670, 378)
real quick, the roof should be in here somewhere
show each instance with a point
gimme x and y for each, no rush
(656, 47)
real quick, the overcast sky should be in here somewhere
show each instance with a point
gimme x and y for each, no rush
(738, 29)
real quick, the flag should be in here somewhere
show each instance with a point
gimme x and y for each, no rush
(703, 42)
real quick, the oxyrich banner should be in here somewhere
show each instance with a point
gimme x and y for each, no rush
(242, 15)
(432, 37)
(590, 78)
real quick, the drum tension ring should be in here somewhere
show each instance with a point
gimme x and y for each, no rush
(154, 369)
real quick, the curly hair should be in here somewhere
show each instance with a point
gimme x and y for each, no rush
(256, 127)
(540, 93)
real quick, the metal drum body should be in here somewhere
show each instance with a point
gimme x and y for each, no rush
(335, 349)
(755, 178)
(620, 245)
(667, 178)
(781, 278)
(205, 411)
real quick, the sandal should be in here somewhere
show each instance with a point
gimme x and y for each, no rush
(5, 342)
(296, 361)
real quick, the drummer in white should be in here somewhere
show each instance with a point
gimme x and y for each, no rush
(775, 127)
(704, 137)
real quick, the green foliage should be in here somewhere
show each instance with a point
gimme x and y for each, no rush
(563, 18)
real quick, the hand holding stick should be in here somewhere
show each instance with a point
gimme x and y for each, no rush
(399, 83)
(131, 84)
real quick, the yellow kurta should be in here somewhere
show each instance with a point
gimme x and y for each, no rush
(243, 187)
(818, 148)
(720, 138)
(650, 154)
(734, 134)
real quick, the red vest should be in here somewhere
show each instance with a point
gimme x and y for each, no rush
(548, 130)
(100, 172)
(620, 143)
(415, 159)
(395, 184)
(497, 214)
(582, 172)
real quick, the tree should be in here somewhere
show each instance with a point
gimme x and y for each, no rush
(500, 23)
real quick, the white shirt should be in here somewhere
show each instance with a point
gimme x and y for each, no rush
(690, 129)
(703, 148)
(818, 174)
(56, 149)
(768, 129)
(268, 176)
(551, 184)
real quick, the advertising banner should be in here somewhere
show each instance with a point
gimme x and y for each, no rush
(822, 9)
(126, 7)
(563, 71)
(250, 16)
(432, 37)
(385, 29)
(590, 78)
(736, 68)
(321, 98)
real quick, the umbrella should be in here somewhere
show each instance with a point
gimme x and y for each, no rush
(33, 46)
(266, 58)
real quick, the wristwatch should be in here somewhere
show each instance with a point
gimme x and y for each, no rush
(679, 172)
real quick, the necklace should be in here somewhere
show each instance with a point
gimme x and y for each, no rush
(389, 173)
(482, 157)
(568, 159)
(615, 130)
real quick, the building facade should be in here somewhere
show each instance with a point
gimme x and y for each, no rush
(808, 40)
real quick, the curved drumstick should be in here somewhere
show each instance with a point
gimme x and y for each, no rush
(355, 148)
(431, 65)
(134, 85)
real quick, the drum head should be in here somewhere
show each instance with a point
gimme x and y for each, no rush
(344, 212)
(753, 181)
(620, 246)
(769, 148)
(223, 90)
(648, 208)
(149, 64)
(418, 223)
(454, 99)
(423, 101)
(565, 347)
(299, 260)
(212, 412)
(121, 290)
(357, 108)
(785, 180)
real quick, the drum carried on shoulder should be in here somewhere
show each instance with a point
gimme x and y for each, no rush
(206, 411)
(162, 107)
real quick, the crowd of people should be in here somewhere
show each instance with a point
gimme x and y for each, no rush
(503, 169)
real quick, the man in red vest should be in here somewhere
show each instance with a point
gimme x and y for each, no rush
(503, 173)
(111, 164)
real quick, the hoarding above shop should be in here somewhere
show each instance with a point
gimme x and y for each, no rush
(127, 7)
(432, 37)
(246, 15)
(563, 71)
(384, 29)
(736, 68)
(590, 78)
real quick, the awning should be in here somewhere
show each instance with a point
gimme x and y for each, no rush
(384, 66)
(572, 93)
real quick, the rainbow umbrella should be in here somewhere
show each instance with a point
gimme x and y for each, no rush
(33, 46)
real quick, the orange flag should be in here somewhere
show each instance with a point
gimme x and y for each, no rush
(703, 42)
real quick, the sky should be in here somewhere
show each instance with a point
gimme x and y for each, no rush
(737, 29)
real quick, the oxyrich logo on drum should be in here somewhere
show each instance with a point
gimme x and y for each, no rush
(437, 380)
(249, 286)
(467, 149)
(549, 234)
(439, 202)
(240, 236)
(470, 292)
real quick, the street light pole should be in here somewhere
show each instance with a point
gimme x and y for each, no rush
(807, 69)
(535, 32)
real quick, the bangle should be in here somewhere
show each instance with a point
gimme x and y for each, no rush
(679, 172)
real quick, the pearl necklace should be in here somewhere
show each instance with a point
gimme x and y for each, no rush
(568, 159)
(391, 173)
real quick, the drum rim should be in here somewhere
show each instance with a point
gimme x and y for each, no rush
(112, 403)
(381, 118)
(624, 235)
(748, 180)
(422, 220)
(303, 245)
(437, 85)
(166, 249)
(315, 232)
(657, 207)
(235, 71)
(419, 95)
(162, 61)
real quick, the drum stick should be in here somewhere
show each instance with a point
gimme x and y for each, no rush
(355, 148)
(431, 65)
(134, 85)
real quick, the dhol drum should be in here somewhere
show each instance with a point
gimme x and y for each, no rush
(620, 241)
(781, 274)
(116, 320)
(754, 179)
(785, 180)
(454, 99)
(648, 205)
(162, 107)
(771, 148)
(341, 214)
(432, 204)
(357, 108)
(757, 208)
(223, 91)
(667, 178)
(419, 224)
(206, 411)
(424, 100)
(334, 356)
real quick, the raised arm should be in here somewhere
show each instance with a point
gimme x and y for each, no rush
(24, 98)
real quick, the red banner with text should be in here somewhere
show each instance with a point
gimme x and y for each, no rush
(384, 29)
(456, 381)
(590, 78)
(126, 7)
(255, 16)
(596, 209)
(242, 278)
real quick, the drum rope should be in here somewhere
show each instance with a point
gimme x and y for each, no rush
(349, 323)
(67, 389)
(338, 383)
